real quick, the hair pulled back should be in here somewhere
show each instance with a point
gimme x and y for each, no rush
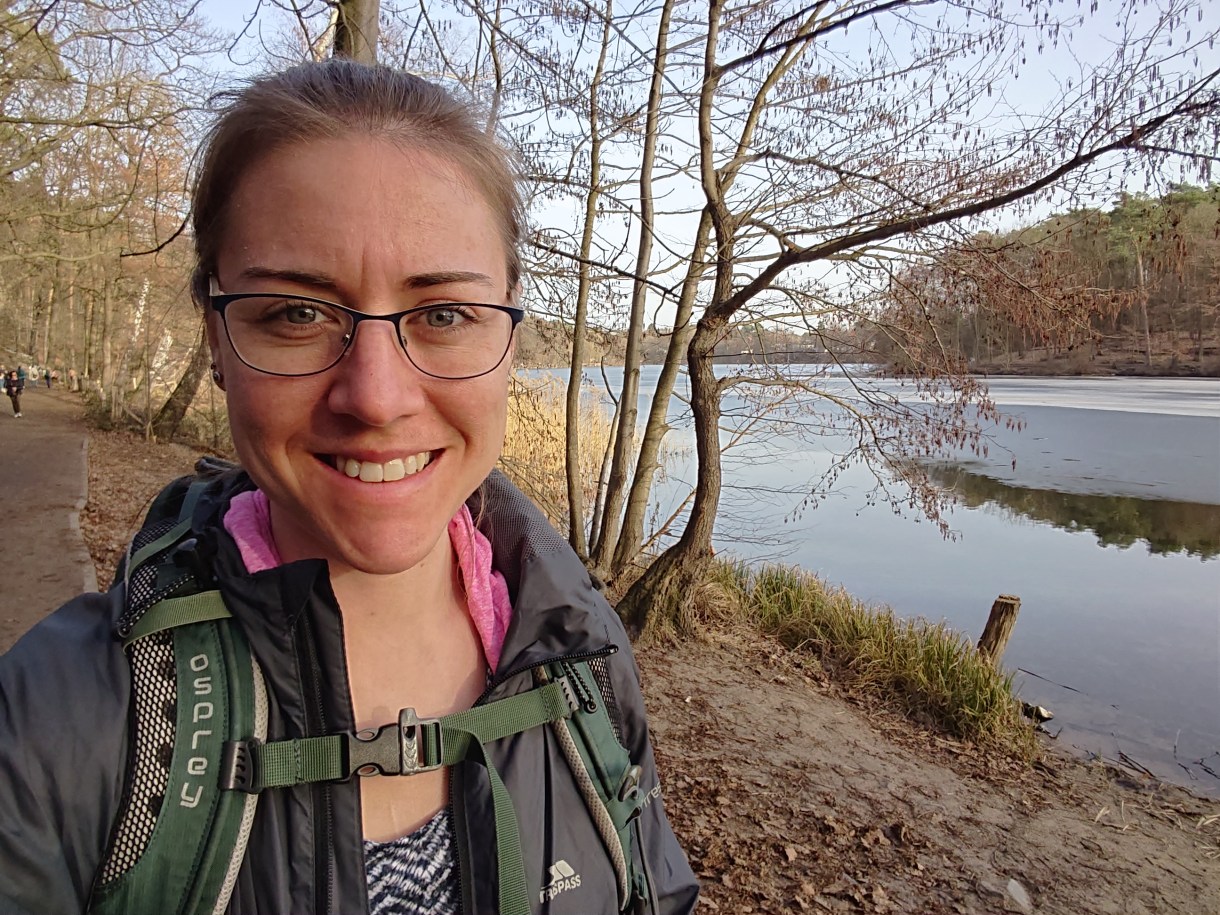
(336, 98)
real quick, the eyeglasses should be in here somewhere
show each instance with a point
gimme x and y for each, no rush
(295, 335)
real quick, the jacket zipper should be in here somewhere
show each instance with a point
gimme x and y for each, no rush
(459, 837)
(496, 682)
(315, 723)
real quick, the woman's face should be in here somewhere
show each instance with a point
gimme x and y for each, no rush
(360, 222)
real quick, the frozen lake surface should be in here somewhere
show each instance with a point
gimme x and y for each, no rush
(1151, 438)
(1108, 528)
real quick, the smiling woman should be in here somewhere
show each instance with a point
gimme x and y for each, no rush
(362, 331)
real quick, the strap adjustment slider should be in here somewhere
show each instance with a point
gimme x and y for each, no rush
(411, 746)
(238, 764)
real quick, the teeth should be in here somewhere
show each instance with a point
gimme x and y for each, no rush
(371, 472)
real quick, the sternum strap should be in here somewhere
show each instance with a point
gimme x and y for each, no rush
(433, 743)
(441, 742)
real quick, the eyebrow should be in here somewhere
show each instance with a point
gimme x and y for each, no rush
(322, 281)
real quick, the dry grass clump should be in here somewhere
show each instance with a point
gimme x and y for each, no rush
(933, 673)
(535, 446)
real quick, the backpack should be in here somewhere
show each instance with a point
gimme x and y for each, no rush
(198, 756)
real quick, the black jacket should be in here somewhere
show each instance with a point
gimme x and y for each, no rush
(65, 692)
(13, 386)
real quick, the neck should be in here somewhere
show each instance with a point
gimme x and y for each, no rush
(431, 586)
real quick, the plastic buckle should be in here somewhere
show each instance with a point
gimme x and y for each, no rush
(195, 556)
(396, 749)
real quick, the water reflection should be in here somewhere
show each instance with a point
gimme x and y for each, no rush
(1165, 526)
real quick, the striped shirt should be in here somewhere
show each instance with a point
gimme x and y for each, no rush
(414, 875)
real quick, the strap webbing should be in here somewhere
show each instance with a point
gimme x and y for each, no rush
(178, 611)
(289, 762)
(280, 763)
(140, 556)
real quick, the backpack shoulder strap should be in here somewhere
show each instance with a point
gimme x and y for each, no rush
(179, 840)
(609, 782)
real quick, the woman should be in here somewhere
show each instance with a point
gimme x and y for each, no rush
(339, 213)
(13, 386)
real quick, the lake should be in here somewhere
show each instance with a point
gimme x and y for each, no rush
(1102, 513)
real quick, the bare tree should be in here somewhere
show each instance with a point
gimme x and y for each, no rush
(887, 152)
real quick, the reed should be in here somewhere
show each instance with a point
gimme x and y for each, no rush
(535, 447)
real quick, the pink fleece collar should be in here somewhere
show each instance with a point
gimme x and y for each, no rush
(248, 521)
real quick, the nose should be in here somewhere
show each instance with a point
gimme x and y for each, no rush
(374, 382)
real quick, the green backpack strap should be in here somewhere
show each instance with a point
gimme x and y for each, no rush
(566, 699)
(179, 839)
(609, 782)
(414, 745)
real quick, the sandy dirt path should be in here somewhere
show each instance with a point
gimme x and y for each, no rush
(42, 491)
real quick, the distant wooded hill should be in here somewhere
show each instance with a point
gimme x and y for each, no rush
(1134, 289)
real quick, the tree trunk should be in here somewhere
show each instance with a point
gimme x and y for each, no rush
(669, 580)
(1143, 294)
(31, 343)
(87, 363)
(356, 30)
(73, 358)
(615, 541)
(170, 416)
(631, 537)
(576, 502)
(44, 354)
(603, 477)
(108, 386)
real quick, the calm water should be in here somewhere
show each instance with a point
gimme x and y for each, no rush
(1107, 527)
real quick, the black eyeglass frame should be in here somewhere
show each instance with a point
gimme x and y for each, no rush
(221, 300)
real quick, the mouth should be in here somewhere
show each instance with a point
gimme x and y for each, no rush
(374, 472)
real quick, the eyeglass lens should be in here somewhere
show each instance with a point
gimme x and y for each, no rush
(289, 336)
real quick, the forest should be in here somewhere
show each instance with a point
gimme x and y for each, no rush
(838, 183)
(1132, 289)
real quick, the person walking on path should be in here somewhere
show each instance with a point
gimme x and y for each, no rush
(14, 384)
(46, 377)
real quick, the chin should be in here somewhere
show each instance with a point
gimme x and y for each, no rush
(383, 558)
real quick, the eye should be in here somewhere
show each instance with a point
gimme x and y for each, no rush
(445, 316)
(299, 312)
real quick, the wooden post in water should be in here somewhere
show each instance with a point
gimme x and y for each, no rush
(1000, 621)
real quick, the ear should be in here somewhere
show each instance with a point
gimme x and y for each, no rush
(215, 334)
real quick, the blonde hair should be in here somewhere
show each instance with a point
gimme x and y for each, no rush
(337, 98)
